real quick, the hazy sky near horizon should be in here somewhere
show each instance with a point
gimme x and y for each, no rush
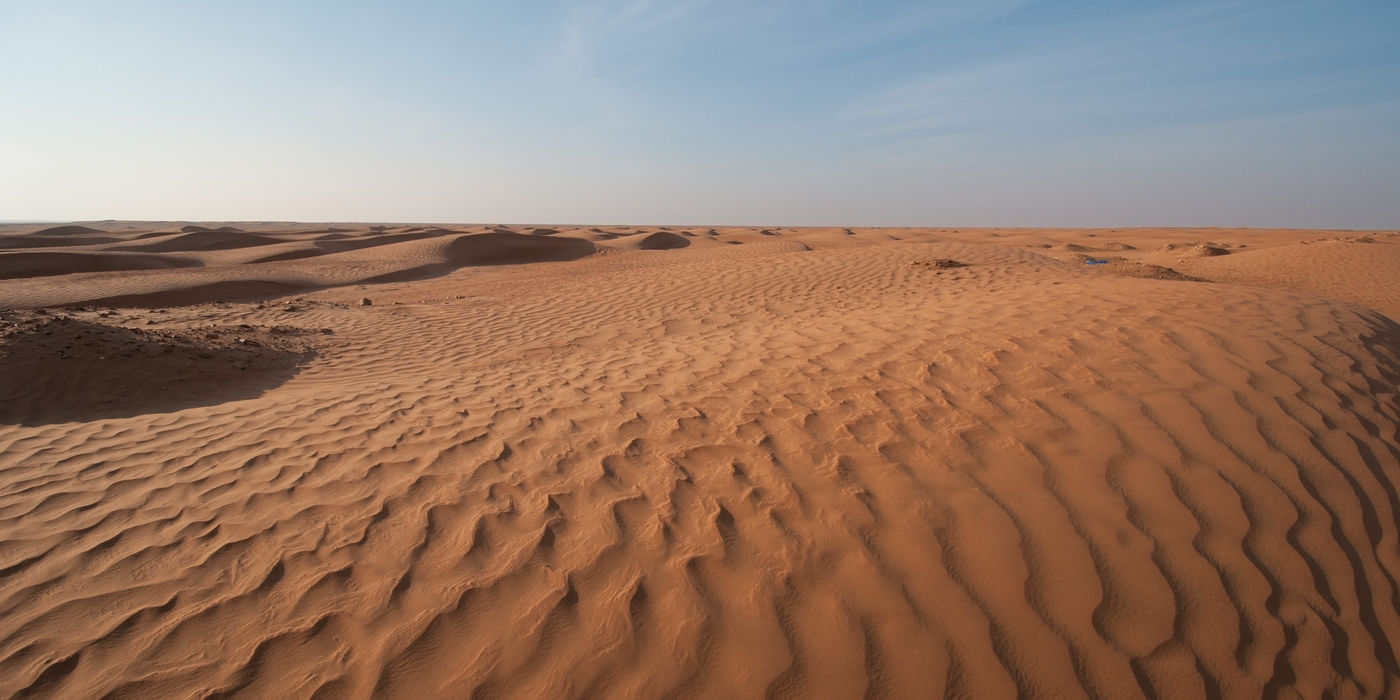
(999, 112)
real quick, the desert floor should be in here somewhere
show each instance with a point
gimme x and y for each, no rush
(291, 460)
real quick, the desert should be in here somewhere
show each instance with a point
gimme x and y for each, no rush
(345, 460)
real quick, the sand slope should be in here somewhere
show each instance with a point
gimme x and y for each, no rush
(792, 463)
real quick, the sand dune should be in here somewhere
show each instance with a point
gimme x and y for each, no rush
(663, 240)
(223, 266)
(201, 239)
(514, 249)
(92, 369)
(37, 241)
(41, 264)
(806, 462)
(68, 230)
(1359, 269)
(336, 243)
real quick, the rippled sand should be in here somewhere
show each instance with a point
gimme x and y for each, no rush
(471, 461)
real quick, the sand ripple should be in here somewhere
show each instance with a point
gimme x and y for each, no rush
(777, 468)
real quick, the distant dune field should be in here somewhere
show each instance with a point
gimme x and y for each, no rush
(304, 460)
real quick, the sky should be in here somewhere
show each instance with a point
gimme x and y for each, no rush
(784, 112)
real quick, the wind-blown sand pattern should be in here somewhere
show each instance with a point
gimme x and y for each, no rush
(696, 462)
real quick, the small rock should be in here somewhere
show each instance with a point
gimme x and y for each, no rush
(937, 264)
(364, 301)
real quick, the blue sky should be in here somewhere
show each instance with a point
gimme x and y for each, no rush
(1001, 112)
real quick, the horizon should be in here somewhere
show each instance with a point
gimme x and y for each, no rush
(1012, 114)
(674, 225)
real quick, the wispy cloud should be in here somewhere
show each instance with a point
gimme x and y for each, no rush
(598, 49)
(861, 25)
(596, 32)
(626, 55)
(1124, 70)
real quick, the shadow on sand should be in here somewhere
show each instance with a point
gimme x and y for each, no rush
(58, 370)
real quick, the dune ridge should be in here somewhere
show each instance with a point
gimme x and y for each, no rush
(791, 463)
(231, 266)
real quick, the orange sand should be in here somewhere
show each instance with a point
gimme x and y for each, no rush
(697, 462)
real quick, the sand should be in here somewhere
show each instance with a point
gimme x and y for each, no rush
(290, 460)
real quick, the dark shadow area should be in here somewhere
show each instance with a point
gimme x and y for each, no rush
(327, 246)
(485, 249)
(202, 229)
(67, 230)
(29, 240)
(231, 290)
(481, 249)
(664, 240)
(205, 239)
(515, 249)
(50, 263)
(56, 369)
(1382, 342)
